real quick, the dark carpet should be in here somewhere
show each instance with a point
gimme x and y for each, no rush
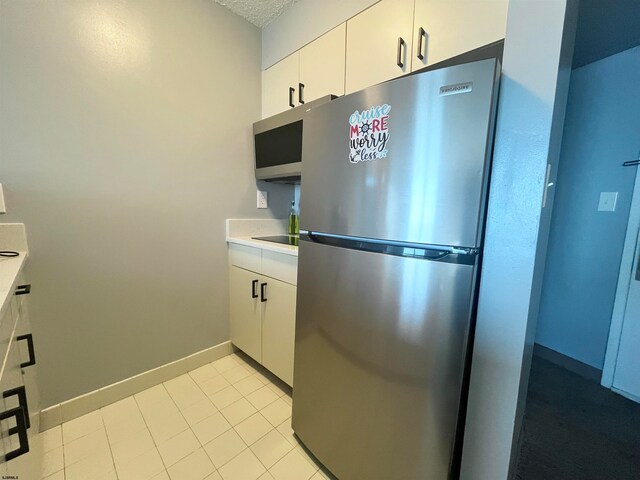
(574, 429)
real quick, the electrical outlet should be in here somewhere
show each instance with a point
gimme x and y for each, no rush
(262, 199)
(3, 209)
(608, 201)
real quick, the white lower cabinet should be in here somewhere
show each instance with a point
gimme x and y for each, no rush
(278, 329)
(263, 308)
(245, 311)
(19, 405)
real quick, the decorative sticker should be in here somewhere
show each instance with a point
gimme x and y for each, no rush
(369, 134)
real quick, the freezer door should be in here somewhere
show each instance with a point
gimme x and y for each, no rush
(405, 160)
(379, 359)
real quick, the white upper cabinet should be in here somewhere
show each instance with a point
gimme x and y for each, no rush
(322, 65)
(388, 40)
(280, 86)
(312, 72)
(445, 28)
(379, 43)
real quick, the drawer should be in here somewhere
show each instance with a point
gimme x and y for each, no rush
(280, 266)
(245, 257)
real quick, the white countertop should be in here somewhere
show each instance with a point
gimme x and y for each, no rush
(274, 247)
(241, 231)
(13, 237)
(10, 268)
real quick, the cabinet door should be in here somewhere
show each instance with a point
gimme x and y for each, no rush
(245, 311)
(322, 65)
(29, 375)
(28, 464)
(373, 44)
(276, 82)
(452, 27)
(278, 329)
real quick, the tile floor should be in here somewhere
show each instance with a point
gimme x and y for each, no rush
(228, 420)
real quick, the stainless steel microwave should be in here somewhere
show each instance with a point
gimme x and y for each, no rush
(278, 143)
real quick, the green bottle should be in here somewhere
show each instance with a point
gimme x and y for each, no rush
(294, 227)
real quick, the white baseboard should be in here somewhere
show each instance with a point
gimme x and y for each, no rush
(63, 412)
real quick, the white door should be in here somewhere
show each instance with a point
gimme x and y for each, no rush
(245, 311)
(322, 65)
(622, 361)
(379, 44)
(278, 329)
(280, 86)
(446, 28)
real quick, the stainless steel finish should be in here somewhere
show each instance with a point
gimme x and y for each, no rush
(290, 172)
(279, 171)
(382, 333)
(444, 248)
(431, 187)
(456, 89)
(379, 359)
(289, 116)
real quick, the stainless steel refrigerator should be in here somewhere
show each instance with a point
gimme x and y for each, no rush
(393, 196)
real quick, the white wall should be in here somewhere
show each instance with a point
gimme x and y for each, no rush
(536, 70)
(305, 21)
(125, 141)
(585, 245)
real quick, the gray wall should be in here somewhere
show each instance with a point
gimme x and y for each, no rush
(585, 246)
(125, 141)
(535, 80)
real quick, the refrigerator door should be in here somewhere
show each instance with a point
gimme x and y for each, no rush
(404, 160)
(380, 350)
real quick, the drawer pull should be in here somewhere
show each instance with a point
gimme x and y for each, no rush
(32, 353)
(254, 284)
(20, 429)
(21, 393)
(23, 289)
(263, 292)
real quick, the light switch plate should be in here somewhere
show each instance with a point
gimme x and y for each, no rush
(3, 209)
(608, 201)
(262, 199)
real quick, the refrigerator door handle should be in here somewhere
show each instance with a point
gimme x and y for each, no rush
(436, 253)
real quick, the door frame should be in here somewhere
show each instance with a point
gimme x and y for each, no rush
(622, 290)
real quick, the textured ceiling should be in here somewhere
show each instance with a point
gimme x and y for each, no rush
(258, 12)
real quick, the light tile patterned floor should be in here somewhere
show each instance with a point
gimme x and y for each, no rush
(229, 420)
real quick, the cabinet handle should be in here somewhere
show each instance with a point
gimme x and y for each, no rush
(263, 292)
(21, 393)
(254, 284)
(301, 93)
(23, 289)
(291, 91)
(20, 429)
(421, 35)
(32, 353)
(401, 44)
